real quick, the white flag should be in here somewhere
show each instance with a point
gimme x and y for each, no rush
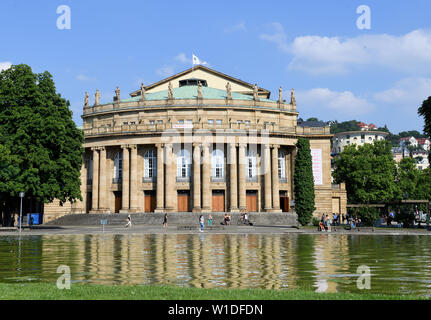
(197, 61)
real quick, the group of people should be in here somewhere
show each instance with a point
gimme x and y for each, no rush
(226, 220)
(325, 223)
(337, 219)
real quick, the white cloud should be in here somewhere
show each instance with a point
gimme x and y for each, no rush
(181, 57)
(235, 28)
(408, 93)
(328, 102)
(278, 36)
(410, 53)
(82, 77)
(5, 65)
(165, 71)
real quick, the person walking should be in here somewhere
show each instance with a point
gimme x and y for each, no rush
(201, 221)
(129, 222)
(165, 220)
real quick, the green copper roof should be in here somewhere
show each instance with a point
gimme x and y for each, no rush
(191, 92)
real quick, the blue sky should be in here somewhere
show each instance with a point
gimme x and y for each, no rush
(339, 72)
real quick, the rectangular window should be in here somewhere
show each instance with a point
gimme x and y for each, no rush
(159, 121)
(247, 122)
(151, 121)
(180, 121)
(281, 169)
(189, 121)
(210, 121)
(219, 121)
(239, 121)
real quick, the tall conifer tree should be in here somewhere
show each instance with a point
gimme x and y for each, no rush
(304, 182)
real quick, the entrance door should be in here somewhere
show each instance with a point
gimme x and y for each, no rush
(251, 200)
(218, 200)
(284, 201)
(183, 200)
(117, 195)
(150, 201)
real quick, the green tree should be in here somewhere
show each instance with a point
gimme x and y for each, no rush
(425, 112)
(407, 177)
(369, 173)
(43, 146)
(423, 186)
(304, 182)
(345, 126)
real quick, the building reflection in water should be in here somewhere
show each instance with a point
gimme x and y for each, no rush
(323, 262)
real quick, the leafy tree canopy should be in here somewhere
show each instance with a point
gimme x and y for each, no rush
(425, 112)
(40, 145)
(368, 171)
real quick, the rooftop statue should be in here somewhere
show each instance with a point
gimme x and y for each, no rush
(280, 94)
(200, 90)
(170, 91)
(117, 94)
(86, 99)
(229, 91)
(255, 89)
(142, 91)
(96, 97)
(292, 97)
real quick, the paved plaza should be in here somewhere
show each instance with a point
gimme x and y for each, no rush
(190, 229)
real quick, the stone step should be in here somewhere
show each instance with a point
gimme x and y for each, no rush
(174, 218)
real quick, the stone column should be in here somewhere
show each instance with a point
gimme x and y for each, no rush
(196, 177)
(267, 177)
(206, 179)
(170, 179)
(241, 174)
(103, 196)
(95, 186)
(133, 178)
(125, 184)
(275, 182)
(160, 196)
(233, 179)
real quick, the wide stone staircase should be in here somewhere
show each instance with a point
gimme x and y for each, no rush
(174, 218)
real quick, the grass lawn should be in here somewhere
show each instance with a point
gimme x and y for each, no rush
(48, 291)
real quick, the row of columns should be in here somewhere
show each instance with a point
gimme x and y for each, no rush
(166, 192)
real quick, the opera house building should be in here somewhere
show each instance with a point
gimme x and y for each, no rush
(198, 141)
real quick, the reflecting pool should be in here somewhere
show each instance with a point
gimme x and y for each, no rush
(323, 262)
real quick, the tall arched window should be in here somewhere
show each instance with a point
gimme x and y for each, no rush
(217, 162)
(183, 163)
(251, 164)
(118, 166)
(281, 165)
(150, 164)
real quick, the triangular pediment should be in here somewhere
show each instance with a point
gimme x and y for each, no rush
(214, 79)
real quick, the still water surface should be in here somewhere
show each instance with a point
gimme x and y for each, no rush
(399, 264)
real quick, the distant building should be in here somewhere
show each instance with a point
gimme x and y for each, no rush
(420, 156)
(366, 127)
(343, 139)
(408, 141)
(424, 143)
(421, 159)
(397, 153)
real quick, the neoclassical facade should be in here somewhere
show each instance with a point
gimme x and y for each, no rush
(199, 141)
